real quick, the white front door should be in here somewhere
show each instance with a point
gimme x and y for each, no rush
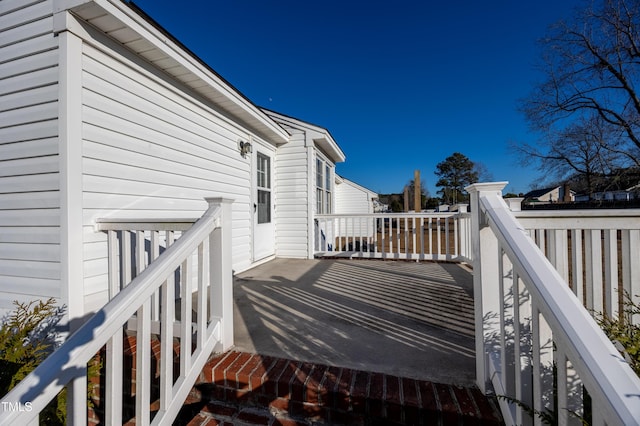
(263, 220)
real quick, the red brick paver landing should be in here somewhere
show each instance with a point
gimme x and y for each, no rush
(248, 389)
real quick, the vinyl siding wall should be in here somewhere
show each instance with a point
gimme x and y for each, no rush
(292, 178)
(152, 150)
(352, 200)
(29, 163)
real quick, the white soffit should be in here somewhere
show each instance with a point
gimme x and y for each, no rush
(124, 25)
(321, 136)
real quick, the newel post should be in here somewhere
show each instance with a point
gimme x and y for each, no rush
(486, 279)
(221, 273)
(515, 203)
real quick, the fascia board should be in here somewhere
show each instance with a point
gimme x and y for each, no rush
(244, 108)
(319, 135)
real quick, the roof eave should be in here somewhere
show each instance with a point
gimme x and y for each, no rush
(130, 26)
(321, 137)
(357, 185)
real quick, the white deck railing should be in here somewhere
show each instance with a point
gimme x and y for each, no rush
(201, 256)
(416, 236)
(597, 252)
(535, 341)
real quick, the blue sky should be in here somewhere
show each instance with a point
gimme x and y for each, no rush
(400, 85)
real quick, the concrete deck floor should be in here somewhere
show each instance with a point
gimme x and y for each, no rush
(402, 318)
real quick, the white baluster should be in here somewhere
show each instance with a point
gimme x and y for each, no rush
(186, 301)
(577, 269)
(114, 347)
(143, 365)
(611, 272)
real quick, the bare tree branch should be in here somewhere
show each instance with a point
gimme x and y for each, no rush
(587, 109)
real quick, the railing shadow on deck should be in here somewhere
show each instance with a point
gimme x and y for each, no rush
(411, 319)
(561, 267)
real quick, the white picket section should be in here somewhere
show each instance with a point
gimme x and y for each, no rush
(589, 248)
(142, 283)
(412, 236)
(531, 329)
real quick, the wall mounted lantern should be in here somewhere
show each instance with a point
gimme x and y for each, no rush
(245, 148)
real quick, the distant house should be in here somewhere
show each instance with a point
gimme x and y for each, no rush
(550, 195)
(380, 207)
(628, 194)
(461, 207)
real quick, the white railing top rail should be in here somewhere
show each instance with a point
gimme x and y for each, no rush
(581, 213)
(580, 219)
(69, 361)
(126, 224)
(391, 215)
(418, 236)
(603, 370)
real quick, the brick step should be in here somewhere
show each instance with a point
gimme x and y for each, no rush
(97, 391)
(246, 389)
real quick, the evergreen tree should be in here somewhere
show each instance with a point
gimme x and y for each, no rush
(455, 173)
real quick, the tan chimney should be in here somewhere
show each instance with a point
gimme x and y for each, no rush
(566, 197)
(406, 198)
(417, 198)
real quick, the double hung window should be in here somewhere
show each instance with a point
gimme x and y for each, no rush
(323, 187)
(264, 188)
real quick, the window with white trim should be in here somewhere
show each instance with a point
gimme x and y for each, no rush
(264, 188)
(323, 187)
(327, 188)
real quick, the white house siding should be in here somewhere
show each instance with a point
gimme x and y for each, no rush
(29, 167)
(551, 196)
(354, 199)
(151, 150)
(296, 230)
(292, 177)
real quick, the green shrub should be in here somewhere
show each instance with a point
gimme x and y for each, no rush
(623, 333)
(28, 335)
